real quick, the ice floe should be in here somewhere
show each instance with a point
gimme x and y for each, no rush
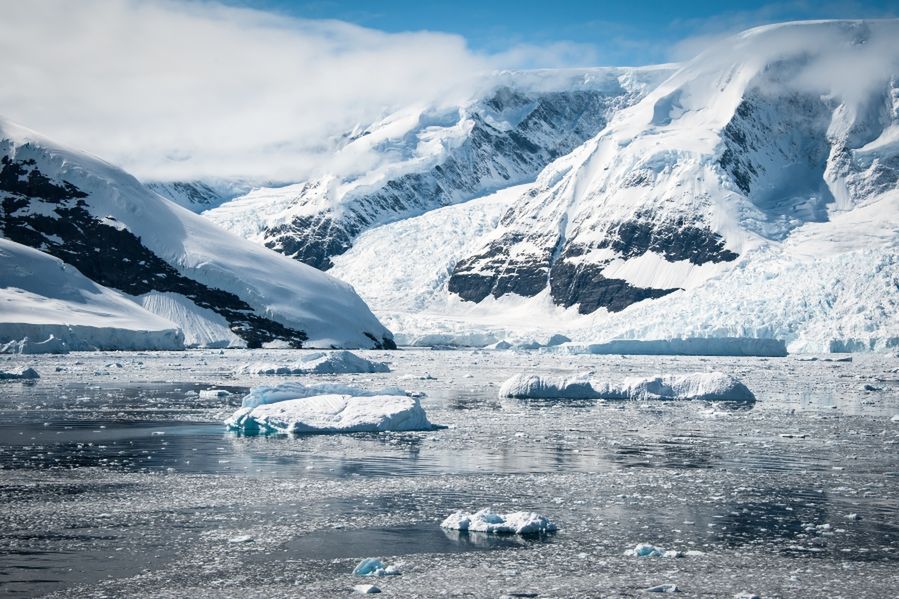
(371, 566)
(327, 362)
(214, 393)
(21, 374)
(706, 386)
(299, 409)
(486, 520)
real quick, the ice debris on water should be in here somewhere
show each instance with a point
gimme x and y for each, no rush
(371, 566)
(663, 588)
(241, 539)
(746, 595)
(327, 362)
(214, 393)
(327, 408)
(486, 520)
(366, 589)
(24, 374)
(648, 550)
(695, 386)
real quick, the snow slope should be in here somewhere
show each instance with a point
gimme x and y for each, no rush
(41, 296)
(426, 157)
(106, 224)
(751, 195)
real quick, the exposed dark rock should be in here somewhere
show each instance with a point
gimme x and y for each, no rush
(582, 284)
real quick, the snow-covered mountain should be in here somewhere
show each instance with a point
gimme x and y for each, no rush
(200, 195)
(220, 289)
(427, 157)
(42, 296)
(752, 194)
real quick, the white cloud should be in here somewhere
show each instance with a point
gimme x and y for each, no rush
(181, 90)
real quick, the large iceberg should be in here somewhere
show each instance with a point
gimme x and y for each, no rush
(301, 409)
(330, 362)
(486, 520)
(707, 386)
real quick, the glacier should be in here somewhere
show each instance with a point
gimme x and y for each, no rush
(747, 205)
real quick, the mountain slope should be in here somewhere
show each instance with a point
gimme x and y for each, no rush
(103, 222)
(42, 297)
(427, 157)
(699, 209)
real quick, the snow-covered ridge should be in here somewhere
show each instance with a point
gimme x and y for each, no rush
(426, 157)
(750, 197)
(103, 222)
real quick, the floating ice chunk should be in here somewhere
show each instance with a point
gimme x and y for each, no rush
(520, 523)
(532, 386)
(328, 362)
(673, 553)
(371, 566)
(214, 393)
(870, 388)
(268, 394)
(746, 595)
(333, 414)
(663, 588)
(21, 374)
(895, 418)
(366, 589)
(696, 386)
(645, 550)
(241, 539)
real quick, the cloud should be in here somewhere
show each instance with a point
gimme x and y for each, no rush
(173, 90)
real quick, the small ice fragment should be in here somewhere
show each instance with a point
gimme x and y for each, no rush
(214, 393)
(673, 553)
(663, 588)
(241, 539)
(366, 589)
(486, 520)
(895, 418)
(371, 566)
(746, 595)
(853, 516)
(870, 388)
(645, 550)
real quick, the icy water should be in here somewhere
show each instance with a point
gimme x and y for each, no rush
(117, 479)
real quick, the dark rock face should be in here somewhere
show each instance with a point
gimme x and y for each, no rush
(110, 255)
(574, 281)
(489, 158)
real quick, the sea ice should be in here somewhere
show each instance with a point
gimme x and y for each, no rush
(214, 393)
(486, 520)
(706, 386)
(22, 374)
(330, 362)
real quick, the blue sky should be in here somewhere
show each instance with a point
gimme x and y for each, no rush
(607, 33)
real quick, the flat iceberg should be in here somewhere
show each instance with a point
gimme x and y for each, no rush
(23, 374)
(300, 409)
(486, 520)
(328, 362)
(705, 386)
